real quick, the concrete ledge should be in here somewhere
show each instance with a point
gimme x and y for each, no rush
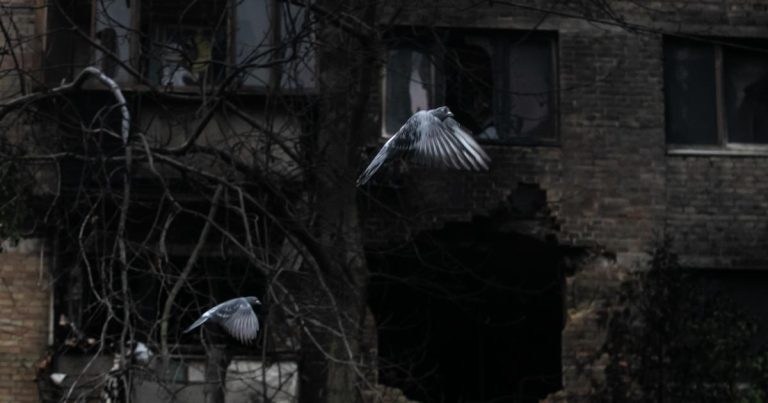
(22, 246)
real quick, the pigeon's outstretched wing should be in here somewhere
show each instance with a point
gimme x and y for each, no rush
(399, 144)
(199, 322)
(242, 324)
(467, 147)
(433, 142)
(236, 316)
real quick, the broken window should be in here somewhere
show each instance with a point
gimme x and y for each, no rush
(177, 44)
(500, 85)
(409, 85)
(715, 94)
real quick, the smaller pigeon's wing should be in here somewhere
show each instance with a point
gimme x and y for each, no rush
(197, 323)
(242, 323)
(214, 314)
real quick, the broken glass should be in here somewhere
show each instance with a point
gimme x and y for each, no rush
(409, 86)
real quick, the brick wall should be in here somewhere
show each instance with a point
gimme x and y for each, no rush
(24, 306)
(612, 138)
(717, 210)
(23, 50)
(24, 292)
(610, 183)
(607, 171)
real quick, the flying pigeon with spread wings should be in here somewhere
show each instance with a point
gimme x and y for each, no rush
(433, 138)
(236, 316)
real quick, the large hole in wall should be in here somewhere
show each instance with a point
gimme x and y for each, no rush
(469, 314)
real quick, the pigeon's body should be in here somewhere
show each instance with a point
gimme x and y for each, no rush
(236, 316)
(433, 138)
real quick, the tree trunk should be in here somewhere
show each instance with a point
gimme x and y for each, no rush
(216, 372)
(332, 368)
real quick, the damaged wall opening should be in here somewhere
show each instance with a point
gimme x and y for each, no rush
(470, 314)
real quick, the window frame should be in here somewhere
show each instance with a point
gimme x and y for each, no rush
(436, 42)
(723, 146)
(138, 56)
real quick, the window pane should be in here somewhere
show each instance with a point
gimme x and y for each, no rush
(66, 52)
(113, 26)
(745, 77)
(409, 86)
(297, 39)
(252, 41)
(689, 82)
(470, 84)
(188, 41)
(531, 93)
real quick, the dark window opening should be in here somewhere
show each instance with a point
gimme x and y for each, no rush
(470, 314)
(689, 71)
(66, 52)
(500, 85)
(745, 82)
(716, 94)
(469, 81)
(531, 103)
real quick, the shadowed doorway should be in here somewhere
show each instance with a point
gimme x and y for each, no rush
(469, 314)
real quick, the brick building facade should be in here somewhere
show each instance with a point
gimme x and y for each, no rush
(610, 179)
(616, 181)
(25, 307)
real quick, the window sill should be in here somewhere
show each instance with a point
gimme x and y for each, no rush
(519, 142)
(729, 150)
(507, 142)
(193, 91)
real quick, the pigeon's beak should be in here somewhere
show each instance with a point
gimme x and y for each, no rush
(450, 114)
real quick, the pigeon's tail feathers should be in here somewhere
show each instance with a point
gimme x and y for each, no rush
(374, 166)
(197, 323)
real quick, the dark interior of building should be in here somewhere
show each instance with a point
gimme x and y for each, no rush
(470, 314)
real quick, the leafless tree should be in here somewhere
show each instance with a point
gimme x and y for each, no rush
(172, 169)
(175, 154)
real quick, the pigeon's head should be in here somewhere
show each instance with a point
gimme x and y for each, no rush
(442, 113)
(253, 300)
